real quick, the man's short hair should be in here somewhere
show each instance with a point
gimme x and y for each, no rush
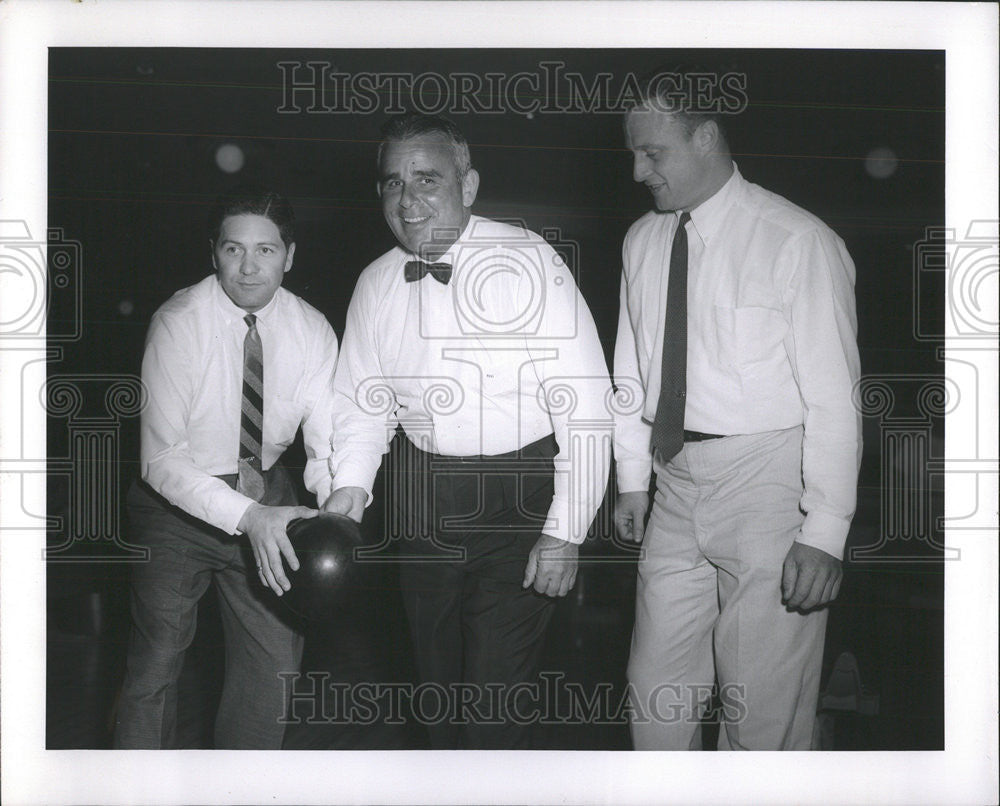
(694, 93)
(413, 125)
(253, 200)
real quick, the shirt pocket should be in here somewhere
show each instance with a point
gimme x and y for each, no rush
(750, 337)
(760, 332)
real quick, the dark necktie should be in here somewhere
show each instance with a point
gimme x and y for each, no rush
(417, 270)
(668, 427)
(251, 474)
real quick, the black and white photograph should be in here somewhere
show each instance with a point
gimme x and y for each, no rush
(575, 383)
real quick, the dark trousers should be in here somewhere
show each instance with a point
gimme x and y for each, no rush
(185, 556)
(476, 632)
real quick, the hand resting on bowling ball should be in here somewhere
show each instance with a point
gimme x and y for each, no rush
(349, 501)
(265, 527)
(330, 581)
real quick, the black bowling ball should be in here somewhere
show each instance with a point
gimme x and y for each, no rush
(329, 579)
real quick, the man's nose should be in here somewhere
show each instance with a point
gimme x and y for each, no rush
(248, 264)
(640, 168)
(408, 197)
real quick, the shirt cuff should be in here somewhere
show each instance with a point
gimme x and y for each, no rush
(558, 527)
(633, 475)
(231, 510)
(354, 475)
(346, 478)
(825, 532)
(323, 489)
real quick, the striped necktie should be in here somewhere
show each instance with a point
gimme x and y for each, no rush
(251, 474)
(668, 427)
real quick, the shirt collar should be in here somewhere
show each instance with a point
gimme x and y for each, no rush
(708, 216)
(231, 312)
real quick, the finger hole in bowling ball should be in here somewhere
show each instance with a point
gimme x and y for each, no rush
(329, 579)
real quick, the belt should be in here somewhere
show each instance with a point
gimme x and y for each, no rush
(541, 449)
(698, 436)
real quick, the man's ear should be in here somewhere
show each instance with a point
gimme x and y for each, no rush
(707, 136)
(289, 256)
(211, 248)
(470, 187)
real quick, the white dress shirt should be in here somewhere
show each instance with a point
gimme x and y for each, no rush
(193, 373)
(504, 354)
(772, 341)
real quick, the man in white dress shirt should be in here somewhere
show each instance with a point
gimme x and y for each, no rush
(473, 336)
(753, 437)
(233, 366)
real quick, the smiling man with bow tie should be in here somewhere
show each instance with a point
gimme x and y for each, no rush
(493, 368)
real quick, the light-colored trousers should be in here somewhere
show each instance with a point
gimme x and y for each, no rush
(708, 602)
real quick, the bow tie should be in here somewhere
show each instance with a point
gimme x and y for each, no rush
(417, 270)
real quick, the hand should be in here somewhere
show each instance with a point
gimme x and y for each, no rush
(349, 501)
(810, 577)
(265, 528)
(551, 566)
(630, 515)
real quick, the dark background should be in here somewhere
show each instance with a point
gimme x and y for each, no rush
(132, 143)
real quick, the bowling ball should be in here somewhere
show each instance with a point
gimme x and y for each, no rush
(328, 579)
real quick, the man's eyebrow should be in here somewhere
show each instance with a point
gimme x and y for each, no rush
(240, 243)
(430, 172)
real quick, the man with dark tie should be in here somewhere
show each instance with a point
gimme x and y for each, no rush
(738, 324)
(233, 366)
(471, 335)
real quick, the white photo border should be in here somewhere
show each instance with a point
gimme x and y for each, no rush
(964, 772)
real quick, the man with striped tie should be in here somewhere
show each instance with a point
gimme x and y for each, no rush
(233, 366)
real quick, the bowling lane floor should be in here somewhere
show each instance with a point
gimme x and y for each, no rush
(87, 639)
(889, 617)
